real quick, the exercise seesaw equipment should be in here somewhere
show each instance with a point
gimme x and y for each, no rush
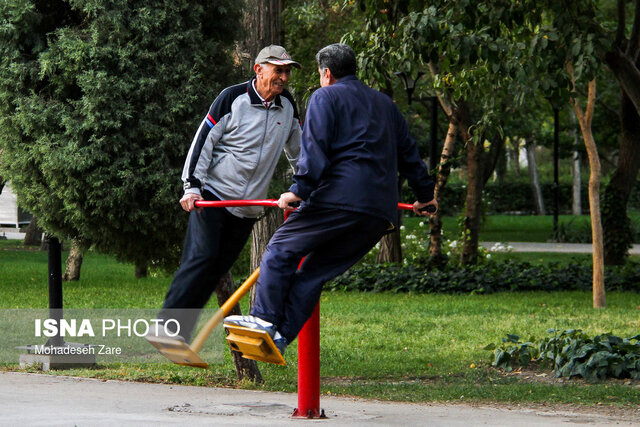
(251, 343)
(177, 350)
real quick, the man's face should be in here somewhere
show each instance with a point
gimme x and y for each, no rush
(271, 79)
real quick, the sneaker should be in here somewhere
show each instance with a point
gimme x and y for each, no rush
(251, 322)
(160, 332)
(281, 343)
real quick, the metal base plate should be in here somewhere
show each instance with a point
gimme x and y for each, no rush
(177, 351)
(66, 355)
(253, 344)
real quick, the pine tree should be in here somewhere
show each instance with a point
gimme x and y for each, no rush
(99, 100)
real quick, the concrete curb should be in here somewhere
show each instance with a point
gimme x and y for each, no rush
(576, 248)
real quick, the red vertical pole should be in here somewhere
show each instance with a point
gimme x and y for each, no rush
(309, 365)
(309, 369)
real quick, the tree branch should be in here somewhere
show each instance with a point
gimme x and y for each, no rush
(491, 158)
(627, 73)
(445, 102)
(585, 117)
(574, 101)
(591, 101)
(632, 46)
(621, 24)
(599, 101)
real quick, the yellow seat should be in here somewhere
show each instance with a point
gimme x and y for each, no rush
(254, 344)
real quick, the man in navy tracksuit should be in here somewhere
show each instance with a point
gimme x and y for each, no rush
(354, 143)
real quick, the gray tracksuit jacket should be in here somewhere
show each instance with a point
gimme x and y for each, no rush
(236, 148)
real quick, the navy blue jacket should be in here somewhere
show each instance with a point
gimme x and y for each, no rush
(354, 143)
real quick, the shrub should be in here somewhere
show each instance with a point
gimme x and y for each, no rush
(573, 353)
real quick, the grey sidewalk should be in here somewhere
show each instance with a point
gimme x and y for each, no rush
(39, 400)
(577, 248)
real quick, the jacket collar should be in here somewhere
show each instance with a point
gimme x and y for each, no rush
(346, 78)
(255, 98)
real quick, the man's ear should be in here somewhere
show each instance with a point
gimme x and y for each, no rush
(257, 68)
(329, 75)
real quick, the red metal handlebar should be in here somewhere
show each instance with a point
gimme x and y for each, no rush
(266, 202)
(234, 203)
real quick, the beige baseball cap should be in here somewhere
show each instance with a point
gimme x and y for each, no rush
(275, 54)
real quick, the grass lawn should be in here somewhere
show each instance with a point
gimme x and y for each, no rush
(389, 346)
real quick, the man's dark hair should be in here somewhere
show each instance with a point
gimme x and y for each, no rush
(339, 58)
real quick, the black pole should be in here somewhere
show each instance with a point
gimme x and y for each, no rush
(433, 149)
(55, 286)
(556, 184)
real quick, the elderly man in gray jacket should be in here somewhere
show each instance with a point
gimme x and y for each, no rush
(233, 156)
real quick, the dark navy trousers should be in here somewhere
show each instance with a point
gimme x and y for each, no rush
(212, 244)
(332, 240)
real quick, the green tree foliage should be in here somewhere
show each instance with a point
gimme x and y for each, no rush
(99, 101)
(487, 60)
(310, 26)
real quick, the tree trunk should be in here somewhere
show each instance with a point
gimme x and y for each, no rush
(533, 177)
(515, 156)
(436, 257)
(390, 248)
(596, 224)
(615, 221)
(490, 159)
(262, 232)
(473, 203)
(576, 193)
(576, 205)
(33, 235)
(480, 166)
(74, 263)
(585, 119)
(245, 368)
(501, 165)
(263, 26)
(262, 21)
(142, 270)
(391, 243)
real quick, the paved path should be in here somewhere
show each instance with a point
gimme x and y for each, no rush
(45, 400)
(578, 248)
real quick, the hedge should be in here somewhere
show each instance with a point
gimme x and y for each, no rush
(489, 277)
(515, 197)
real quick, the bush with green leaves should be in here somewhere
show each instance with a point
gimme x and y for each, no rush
(572, 353)
(99, 101)
(489, 277)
